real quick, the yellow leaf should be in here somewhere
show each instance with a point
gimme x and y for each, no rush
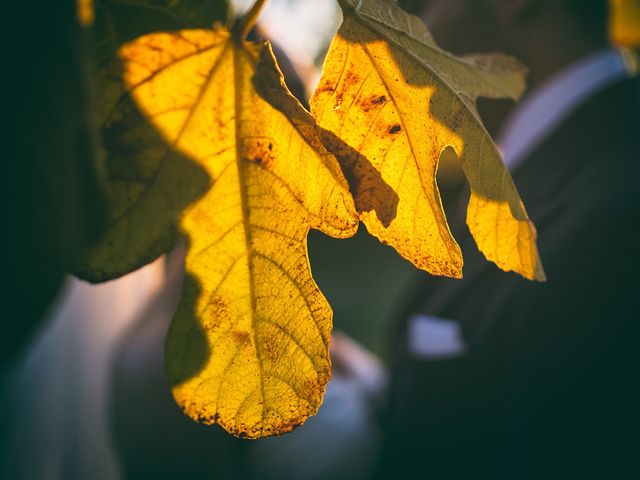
(146, 183)
(248, 345)
(624, 22)
(389, 102)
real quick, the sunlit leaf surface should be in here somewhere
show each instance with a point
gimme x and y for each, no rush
(203, 140)
(248, 345)
(390, 101)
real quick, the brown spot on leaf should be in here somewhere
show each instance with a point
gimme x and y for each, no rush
(457, 119)
(311, 391)
(327, 87)
(242, 339)
(372, 102)
(261, 153)
(351, 78)
(270, 344)
(216, 313)
(265, 161)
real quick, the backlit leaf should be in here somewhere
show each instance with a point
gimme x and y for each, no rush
(389, 102)
(147, 184)
(248, 345)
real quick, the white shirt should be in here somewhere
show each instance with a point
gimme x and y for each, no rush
(546, 107)
(542, 111)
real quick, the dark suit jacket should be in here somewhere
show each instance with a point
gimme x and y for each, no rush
(549, 385)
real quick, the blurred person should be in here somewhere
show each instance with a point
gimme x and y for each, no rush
(56, 394)
(51, 208)
(494, 376)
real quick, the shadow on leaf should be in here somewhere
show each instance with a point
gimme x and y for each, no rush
(370, 191)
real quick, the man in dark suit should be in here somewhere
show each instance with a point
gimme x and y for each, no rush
(497, 377)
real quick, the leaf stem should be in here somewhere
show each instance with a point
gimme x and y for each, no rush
(244, 25)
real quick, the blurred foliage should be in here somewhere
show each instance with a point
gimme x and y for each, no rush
(624, 22)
